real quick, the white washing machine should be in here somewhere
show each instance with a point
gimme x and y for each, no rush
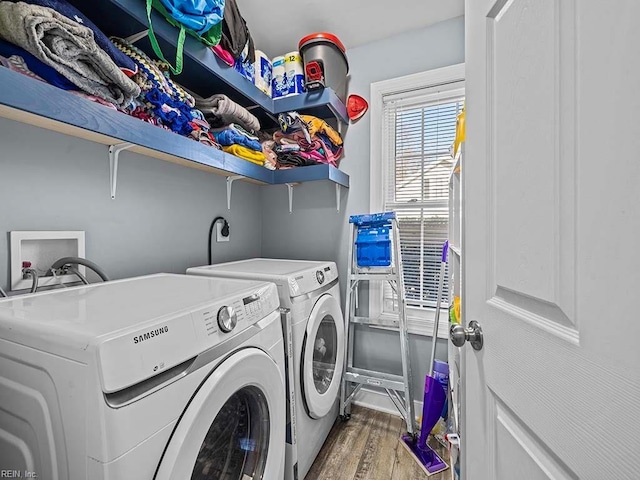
(312, 293)
(160, 377)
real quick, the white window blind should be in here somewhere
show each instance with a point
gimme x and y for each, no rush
(419, 130)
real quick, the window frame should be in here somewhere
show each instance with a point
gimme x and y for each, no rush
(424, 84)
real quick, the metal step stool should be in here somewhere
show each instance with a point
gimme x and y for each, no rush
(374, 255)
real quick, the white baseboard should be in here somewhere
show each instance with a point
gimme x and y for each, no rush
(380, 401)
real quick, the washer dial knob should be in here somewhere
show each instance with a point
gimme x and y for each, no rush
(320, 276)
(227, 319)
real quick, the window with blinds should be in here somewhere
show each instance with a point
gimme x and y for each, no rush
(420, 131)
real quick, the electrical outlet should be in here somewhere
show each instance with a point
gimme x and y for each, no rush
(219, 236)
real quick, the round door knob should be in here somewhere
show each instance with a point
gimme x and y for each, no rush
(472, 334)
(227, 319)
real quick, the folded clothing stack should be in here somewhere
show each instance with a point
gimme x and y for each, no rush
(304, 140)
(237, 141)
(233, 127)
(60, 37)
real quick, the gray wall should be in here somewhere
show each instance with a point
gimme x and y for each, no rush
(158, 222)
(160, 218)
(315, 230)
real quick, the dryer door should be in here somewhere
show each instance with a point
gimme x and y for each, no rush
(322, 356)
(234, 426)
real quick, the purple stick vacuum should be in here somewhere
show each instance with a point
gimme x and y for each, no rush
(434, 397)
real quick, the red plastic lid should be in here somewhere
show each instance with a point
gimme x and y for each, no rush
(329, 37)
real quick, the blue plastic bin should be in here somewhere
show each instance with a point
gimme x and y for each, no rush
(373, 246)
(373, 240)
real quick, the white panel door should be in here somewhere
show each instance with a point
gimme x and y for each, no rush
(552, 228)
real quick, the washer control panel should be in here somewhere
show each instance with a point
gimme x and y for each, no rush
(221, 320)
(224, 309)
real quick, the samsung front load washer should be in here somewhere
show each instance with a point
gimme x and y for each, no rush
(311, 291)
(160, 377)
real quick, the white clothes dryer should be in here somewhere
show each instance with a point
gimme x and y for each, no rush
(160, 377)
(312, 292)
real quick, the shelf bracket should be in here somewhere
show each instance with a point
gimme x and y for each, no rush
(137, 36)
(290, 190)
(230, 180)
(338, 197)
(114, 155)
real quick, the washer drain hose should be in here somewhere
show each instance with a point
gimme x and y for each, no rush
(58, 264)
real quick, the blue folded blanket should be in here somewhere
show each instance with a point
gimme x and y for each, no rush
(127, 65)
(43, 70)
(232, 137)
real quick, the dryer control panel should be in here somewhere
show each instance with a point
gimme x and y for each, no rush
(313, 279)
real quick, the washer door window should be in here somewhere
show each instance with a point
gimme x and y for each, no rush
(323, 356)
(237, 442)
(234, 427)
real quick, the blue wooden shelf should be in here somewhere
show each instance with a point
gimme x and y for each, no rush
(203, 72)
(322, 103)
(310, 174)
(36, 103)
(64, 112)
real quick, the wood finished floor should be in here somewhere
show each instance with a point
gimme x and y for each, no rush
(367, 448)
